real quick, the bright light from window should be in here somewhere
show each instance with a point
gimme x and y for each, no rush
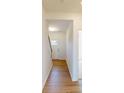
(54, 42)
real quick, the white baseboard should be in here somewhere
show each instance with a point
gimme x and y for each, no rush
(47, 77)
(73, 78)
(69, 70)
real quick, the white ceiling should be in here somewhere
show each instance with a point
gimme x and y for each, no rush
(62, 5)
(61, 25)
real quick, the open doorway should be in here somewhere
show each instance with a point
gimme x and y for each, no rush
(60, 31)
(61, 41)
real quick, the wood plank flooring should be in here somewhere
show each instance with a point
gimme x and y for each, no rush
(59, 80)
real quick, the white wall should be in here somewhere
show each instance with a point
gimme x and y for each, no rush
(46, 52)
(103, 46)
(59, 51)
(80, 53)
(76, 26)
(20, 46)
(69, 48)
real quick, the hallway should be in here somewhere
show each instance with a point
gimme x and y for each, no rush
(59, 80)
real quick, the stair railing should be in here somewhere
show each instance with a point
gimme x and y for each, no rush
(50, 46)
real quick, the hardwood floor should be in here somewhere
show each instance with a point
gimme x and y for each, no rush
(59, 80)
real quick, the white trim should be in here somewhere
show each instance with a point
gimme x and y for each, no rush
(47, 77)
(71, 74)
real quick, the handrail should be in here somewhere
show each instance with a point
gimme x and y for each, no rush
(50, 45)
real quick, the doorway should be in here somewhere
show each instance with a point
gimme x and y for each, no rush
(60, 32)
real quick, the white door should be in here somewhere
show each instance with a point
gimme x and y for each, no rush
(58, 50)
